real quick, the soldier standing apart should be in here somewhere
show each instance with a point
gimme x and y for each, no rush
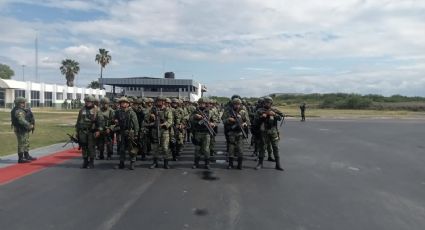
(266, 119)
(88, 128)
(302, 108)
(235, 119)
(161, 120)
(201, 127)
(23, 123)
(107, 136)
(128, 130)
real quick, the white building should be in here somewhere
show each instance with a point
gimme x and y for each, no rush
(42, 94)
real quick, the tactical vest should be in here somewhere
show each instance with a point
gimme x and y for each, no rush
(87, 118)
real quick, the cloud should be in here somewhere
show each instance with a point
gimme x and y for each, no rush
(141, 34)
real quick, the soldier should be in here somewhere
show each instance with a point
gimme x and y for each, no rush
(215, 117)
(302, 108)
(160, 121)
(126, 120)
(145, 131)
(266, 120)
(202, 128)
(138, 109)
(255, 131)
(237, 120)
(88, 128)
(23, 123)
(189, 108)
(107, 136)
(179, 126)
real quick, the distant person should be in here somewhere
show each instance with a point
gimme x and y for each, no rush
(23, 123)
(302, 109)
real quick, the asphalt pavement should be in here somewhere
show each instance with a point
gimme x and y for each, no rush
(339, 174)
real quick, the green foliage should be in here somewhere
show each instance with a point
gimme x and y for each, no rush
(70, 68)
(94, 85)
(6, 72)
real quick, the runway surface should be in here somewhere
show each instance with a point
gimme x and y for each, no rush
(339, 174)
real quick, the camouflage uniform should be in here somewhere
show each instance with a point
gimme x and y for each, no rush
(178, 128)
(302, 109)
(161, 120)
(266, 119)
(145, 130)
(127, 129)
(235, 135)
(107, 136)
(201, 135)
(88, 127)
(23, 123)
(215, 117)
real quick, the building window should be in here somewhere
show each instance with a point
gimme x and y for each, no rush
(48, 97)
(69, 96)
(2, 103)
(19, 93)
(59, 96)
(35, 98)
(79, 96)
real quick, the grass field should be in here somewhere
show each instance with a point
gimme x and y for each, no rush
(52, 125)
(51, 128)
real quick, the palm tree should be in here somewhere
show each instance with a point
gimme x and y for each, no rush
(103, 58)
(70, 68)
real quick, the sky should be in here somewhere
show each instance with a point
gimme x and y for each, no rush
(246, 47)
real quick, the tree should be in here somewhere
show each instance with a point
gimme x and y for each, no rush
(6, 72)
(94, 85)
(103, 58)
(70, 68)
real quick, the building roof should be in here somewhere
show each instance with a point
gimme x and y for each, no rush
(149, 81)
(12, 84)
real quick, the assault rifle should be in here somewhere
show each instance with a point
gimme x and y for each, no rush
(29, 116)
(206, 121)
(72, 140)
(239, 124)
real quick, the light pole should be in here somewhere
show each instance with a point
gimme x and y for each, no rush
(23, 72)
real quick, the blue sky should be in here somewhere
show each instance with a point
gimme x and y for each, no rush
(249, 47)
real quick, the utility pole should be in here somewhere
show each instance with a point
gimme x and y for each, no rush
(36, 56)
(23, 72)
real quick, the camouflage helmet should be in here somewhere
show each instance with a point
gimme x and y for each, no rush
(202, 100)
(168, 100)
(151, 100)
(175, 100)
(161, 98)
(89, 98)
(96, 99)
(235, 96)
(236, 101)
(130, 99)
(19, 100)
(140, 100)
(123, 99)
(104, 100)
(268, 99)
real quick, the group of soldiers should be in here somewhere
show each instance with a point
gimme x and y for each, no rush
(161, 128)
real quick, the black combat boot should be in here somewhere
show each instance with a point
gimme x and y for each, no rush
(239, 163)
(166, 166)
(154, 164)
(260, 163)
(207, 163)
(21, 158)
(270, 158)
(28, 157)
(101, 156)
(278, 167)
(230, 166)
(131, 165)
(196, 163)
(91, 163)
(85, 163)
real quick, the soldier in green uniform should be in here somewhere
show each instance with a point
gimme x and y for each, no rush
(179, 126)
(215, 117)
(302, 109)
(128, 129)
(138, 109)
(107, 135)
(88, 128)
(202, 129)
(160, 121)
(145, 131)
(237, 120)
(189, 108)
(266, 120)
(23, 123)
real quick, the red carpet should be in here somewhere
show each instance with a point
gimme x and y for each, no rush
(17, 171)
